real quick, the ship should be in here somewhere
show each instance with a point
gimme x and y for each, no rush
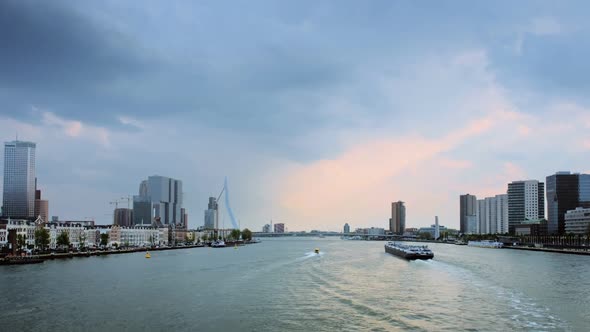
(485, 244)
(218, 244)
(409, 252)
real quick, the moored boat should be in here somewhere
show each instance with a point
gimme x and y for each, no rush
(409, 252)
(218, 244)
(485, 244)
(16, 260)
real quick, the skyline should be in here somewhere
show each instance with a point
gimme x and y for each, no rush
(319, 115)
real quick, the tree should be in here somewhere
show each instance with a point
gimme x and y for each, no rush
(204, 237)
(82, 241)
(63, 239)
(425, 236)
(235, 234)
(104, 239)
(42, 238)
(246, 234)
(21, 241)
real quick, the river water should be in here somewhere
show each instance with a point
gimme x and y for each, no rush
(280, 285)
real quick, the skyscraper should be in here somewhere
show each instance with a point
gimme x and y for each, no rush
(18, 198)
(565, 191)
(526, 201)
(346, 228)
(467, 210)
(492, 215)
(123, 217)
(211, 214)
(41, 207)
(397, 222)
(279, 228)
(159, 201)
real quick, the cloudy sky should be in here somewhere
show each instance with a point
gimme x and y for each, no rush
(318, 112)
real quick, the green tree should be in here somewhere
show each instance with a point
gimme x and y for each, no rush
(21, 241)
(235, 234)
(42, 238)
(425, 236)
(63, 239)
(204, 238)
(246, 234)
(104, 239)
(82, 241)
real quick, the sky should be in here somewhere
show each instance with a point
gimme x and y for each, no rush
(318, 112)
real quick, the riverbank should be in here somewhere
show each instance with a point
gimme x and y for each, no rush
(67, 255)
(559, 251)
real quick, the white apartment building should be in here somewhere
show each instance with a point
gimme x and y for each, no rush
(577, 221)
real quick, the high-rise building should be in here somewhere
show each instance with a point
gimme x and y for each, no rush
(346, 228)
(565, 191)
(159, 201)
(279, 228)
(492, 215)
(211, 214)
(467, 208)
(123, 217)
(18, 198)
(436, 228)
(41, 207)
(526, 201)
(397, 222)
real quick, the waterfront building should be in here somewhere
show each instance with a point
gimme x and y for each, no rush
(526, 201)
(279, 228)
(467, 208)
(211, 214)
(159, 202)
(436, 228)
(123, 217)
(138, 236)
(565, 192)
(19, 227)
(432, 230)
(491, 215)
(531, 227)
(346, 228)
(397, 222)
(266, 228)
(577, 221)
(18, 199)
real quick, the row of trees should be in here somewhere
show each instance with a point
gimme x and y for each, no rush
(235, 234)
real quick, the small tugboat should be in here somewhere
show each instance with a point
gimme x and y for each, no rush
(147, 254)
(317, 250)
(409, 252)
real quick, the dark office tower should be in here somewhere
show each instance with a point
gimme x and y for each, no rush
(467, 210)
(397, 222)
(562, 195)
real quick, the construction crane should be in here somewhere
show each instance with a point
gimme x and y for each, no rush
(128, 199)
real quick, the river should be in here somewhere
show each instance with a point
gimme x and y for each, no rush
(280, 285)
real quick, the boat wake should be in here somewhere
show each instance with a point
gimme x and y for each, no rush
(310, 255)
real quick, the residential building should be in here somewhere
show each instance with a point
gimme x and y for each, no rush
(279, 228)
(491, 216)
(526, 201)
(577, 221)
(266, 228)
(397, 222)
(123, 217)
(18, 199)
(346, 228)
(467, 208)
(159, 202)
(565, 192)
(211, 214)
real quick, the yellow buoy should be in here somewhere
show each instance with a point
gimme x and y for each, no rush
(147, 254)
(317, 250)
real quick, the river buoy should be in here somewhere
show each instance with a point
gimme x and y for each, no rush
(147, 254)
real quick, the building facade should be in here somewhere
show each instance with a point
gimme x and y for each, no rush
(565, 192)
(266, 228)
(211, 214)
(41, 206)
(159, 202)
(18, 200)
(492, 215)
(467, 208)
(346, 228)
(397, 222)
(577, 221)
(123, 217)
(526, 201)
(279, 228)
